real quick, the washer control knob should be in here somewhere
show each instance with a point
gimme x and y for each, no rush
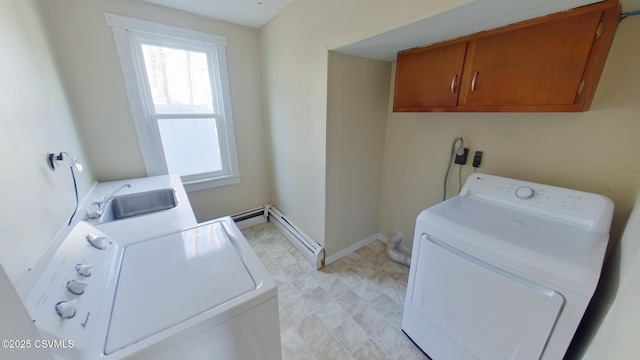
(84, 269)
(98, 242)
(525, 193)
(76, 287)
(66, 309)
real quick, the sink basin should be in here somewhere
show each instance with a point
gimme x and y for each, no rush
(126, 206)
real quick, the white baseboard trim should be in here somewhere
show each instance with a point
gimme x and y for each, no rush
(316, 256)
(348, 250)
(383, 238)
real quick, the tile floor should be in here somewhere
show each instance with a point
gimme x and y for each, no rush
(351, 309)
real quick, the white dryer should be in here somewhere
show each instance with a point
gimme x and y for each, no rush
(504, 270)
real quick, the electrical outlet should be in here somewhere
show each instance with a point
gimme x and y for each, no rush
(462, 159)
(477, 159)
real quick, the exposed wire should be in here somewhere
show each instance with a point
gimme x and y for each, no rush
(630, 13)
(75, 189)
(72, 164)
(446, 176)
(459, 178)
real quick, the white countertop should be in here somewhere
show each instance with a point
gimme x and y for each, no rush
(136, 228)
(124, 231)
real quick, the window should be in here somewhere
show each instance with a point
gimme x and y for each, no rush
(178, 90)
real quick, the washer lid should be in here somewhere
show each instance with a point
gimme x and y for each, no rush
(170, 279)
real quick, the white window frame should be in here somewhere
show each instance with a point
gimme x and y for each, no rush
(128, 33)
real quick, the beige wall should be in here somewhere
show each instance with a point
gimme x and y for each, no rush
(93, 78)
(35, 119)
(593, 151)
(295, 79)
(356, 123)
(295, 60)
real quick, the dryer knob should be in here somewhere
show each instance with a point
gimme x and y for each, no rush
(76, 287)
(66, 309)
(525, 193)
(98, 242)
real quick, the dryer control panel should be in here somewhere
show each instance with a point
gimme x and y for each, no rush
(587, 210)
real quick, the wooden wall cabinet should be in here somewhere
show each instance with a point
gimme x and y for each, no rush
(547, 64)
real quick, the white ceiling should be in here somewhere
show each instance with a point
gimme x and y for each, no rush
(475, 16)
(464, 20)
(252, 13)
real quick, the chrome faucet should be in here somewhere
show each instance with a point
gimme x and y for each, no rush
(96, 208)
(127, 185)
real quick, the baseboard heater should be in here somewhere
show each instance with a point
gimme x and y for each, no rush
(251, 217)
(307, 247)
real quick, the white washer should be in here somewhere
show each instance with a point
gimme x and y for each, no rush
(199, 293)
(504, 270)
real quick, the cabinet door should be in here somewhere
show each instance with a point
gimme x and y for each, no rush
(428, 77)
(540, 64)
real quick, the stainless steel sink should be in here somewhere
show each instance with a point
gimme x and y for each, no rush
(130, 205)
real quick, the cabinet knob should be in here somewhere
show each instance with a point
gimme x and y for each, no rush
(453, 83)
(473, 81)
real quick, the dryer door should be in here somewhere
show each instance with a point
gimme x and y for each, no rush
(479, 310)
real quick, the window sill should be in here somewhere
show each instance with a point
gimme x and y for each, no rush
(203, 184)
